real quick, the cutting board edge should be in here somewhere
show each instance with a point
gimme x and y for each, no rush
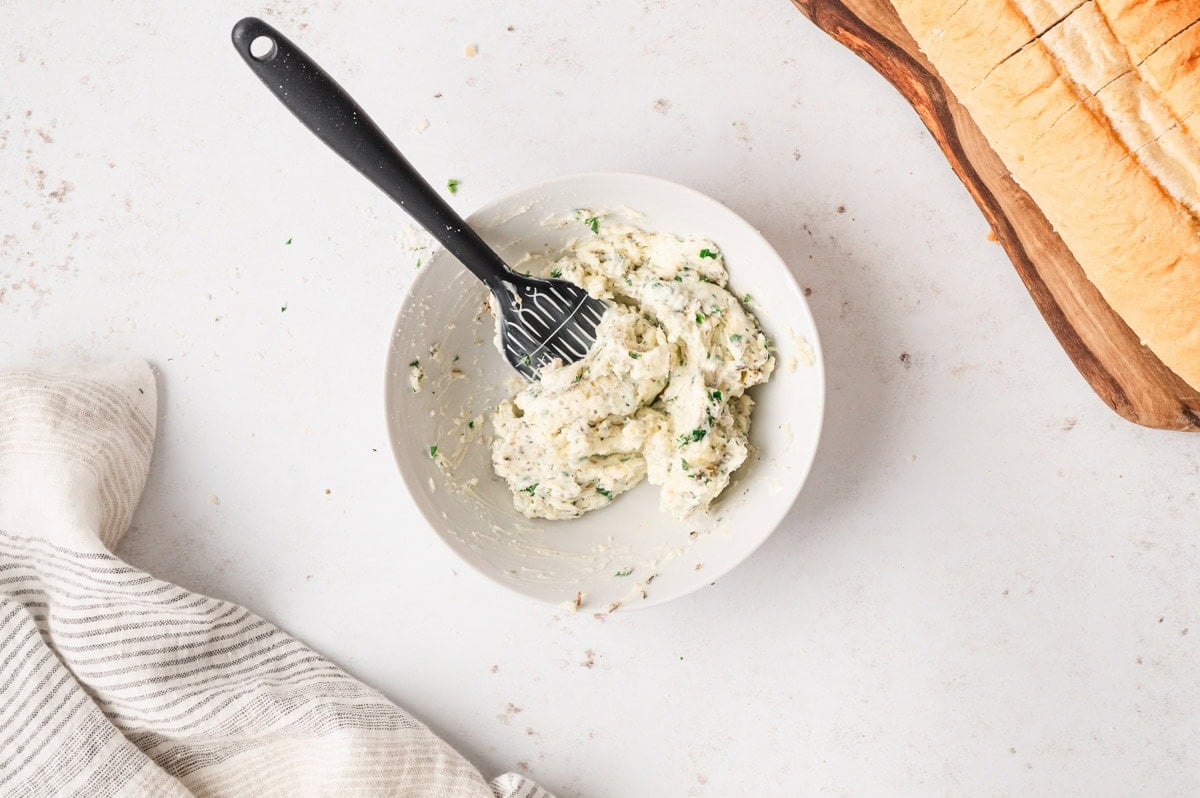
(934, 104)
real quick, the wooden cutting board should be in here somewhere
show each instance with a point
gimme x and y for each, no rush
(1126, 375)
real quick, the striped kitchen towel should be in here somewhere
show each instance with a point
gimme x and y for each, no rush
(113, 682)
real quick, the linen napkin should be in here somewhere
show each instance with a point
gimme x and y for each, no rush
(113, 682)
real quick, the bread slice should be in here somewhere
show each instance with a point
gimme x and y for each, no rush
(1144, 25)
(1045, 14)
(1091, 106)
(977, 35)
(1173, 70)
(1086, 47)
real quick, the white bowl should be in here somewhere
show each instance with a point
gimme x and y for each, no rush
(555, 560)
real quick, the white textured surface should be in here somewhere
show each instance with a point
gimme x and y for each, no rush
(984, 588)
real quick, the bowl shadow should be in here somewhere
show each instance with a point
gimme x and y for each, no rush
(855, 333)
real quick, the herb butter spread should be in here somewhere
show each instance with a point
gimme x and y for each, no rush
(661, 394)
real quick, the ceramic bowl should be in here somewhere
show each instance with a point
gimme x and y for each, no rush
(629, 554)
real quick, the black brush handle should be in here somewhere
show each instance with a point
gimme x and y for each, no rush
(328, 111)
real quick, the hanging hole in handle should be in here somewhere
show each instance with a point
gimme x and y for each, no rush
(263, 48)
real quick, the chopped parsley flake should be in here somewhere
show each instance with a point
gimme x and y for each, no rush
(556, 273)
(433, 450)
(692, 437)
(605, 493)
(593, 222)
(530, 489)
(678, 279)
(283, 309)
(735, 338)
(635, 355)
(414, 364)
(287, 243)
(470, 425)
(714, 395)
(708, 253)
(746, 299)
(699, 317)
(453, 185)
(683, 464)
(418, 263)
(624, 572)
